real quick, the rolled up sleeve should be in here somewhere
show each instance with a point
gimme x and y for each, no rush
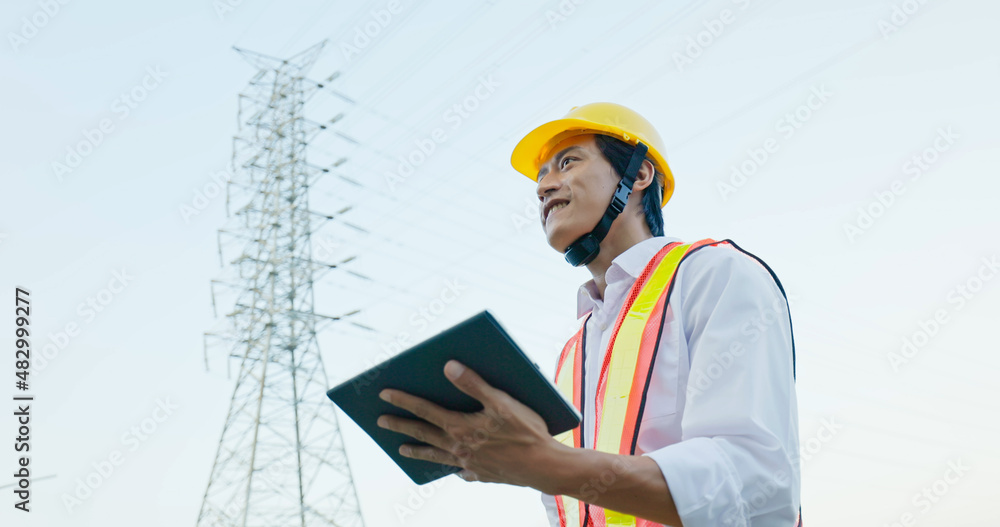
(737, 461)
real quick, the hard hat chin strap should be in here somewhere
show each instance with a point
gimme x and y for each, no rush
(586, 248)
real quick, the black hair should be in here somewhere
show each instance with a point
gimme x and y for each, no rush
(618, 153)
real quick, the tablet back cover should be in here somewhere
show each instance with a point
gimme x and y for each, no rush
(481, 344)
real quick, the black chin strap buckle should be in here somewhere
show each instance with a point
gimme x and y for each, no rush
(586, 248)
(620, 199)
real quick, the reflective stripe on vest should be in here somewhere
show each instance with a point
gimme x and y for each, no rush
(570, 383)
(624, 377)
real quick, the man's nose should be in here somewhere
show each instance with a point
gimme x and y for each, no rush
(551, 181)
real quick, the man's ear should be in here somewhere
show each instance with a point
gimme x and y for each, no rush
(645, 176)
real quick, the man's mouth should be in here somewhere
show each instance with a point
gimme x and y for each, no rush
(555, 206)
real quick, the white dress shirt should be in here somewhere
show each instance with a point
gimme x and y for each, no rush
(721, 417)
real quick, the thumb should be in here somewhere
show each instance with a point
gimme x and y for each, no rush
(469, 382)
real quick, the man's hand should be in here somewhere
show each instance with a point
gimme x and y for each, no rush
(506, 442)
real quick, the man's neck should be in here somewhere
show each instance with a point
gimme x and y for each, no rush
(620, 238)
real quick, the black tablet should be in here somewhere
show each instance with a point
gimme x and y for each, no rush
(479, 343)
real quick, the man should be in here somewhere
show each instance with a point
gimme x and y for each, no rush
(684, 374)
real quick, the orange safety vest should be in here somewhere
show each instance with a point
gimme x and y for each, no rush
(625, 375)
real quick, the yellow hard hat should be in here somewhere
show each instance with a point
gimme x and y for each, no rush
(600, 118)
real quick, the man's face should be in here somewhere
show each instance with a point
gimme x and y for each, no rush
(575, 186)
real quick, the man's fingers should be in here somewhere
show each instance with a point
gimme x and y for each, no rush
(429, 453)
(418, 406)
(418, 430)
(468, 475)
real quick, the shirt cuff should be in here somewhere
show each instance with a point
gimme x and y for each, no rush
(703, 483)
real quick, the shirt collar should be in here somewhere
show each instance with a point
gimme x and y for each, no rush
(627, 265)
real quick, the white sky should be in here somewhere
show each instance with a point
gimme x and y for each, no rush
(853, 301)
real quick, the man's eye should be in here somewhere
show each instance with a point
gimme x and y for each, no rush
(562, 163)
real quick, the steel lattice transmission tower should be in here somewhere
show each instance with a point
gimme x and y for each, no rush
(281, 459)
